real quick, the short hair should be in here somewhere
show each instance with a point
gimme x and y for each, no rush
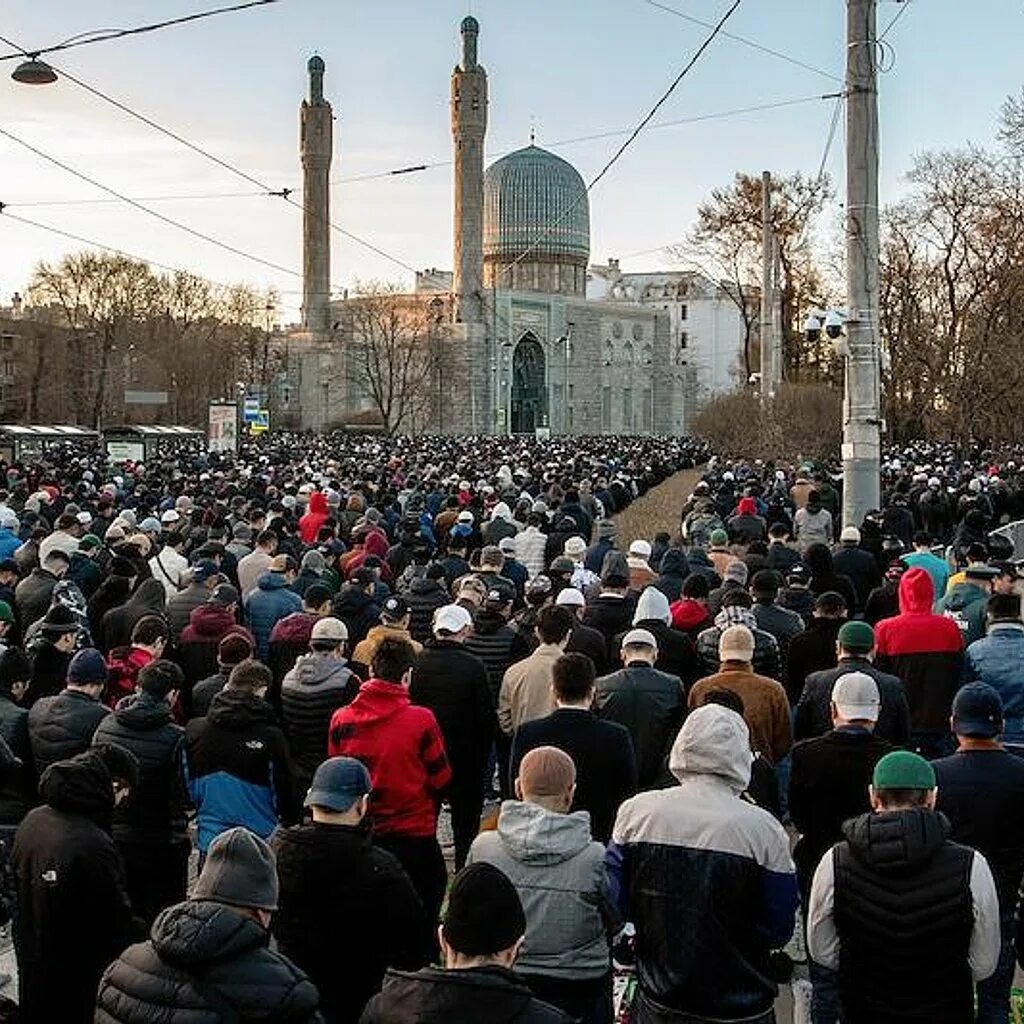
(266, 537)
(1003, 606)
(696, 585)
(573, 677)
(889, 798)
(64, 521)
(726, 699)
(316, 596)
(160, 677)
(977, 552)
(554, 623)
(830, 604)
(56, 555)
(392, 659)
(923, 539)
(149, 629)
(737, 597)
(249, 676)
(767, 582)
(779, 529)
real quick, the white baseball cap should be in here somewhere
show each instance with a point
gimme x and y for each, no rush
(850, 535)
(855, 696)
(452, 618)
(329, 628)
(170, 516)
(575, 546)
(640, 548)
(570, 597)
(640, 638)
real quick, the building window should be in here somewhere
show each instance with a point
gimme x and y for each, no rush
(684, 339)
(683, 311)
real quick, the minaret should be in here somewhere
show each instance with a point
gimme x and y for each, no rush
(315, 147)
(469, 126)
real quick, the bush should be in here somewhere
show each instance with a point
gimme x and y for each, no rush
(803, 421)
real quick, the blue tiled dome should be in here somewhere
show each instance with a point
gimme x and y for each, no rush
(526, 195)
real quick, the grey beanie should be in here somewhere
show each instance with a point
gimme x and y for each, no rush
(240, 870)
(314, 562)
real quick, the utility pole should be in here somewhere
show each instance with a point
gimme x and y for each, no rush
(776, 362)
(766, 285)
(861, 401)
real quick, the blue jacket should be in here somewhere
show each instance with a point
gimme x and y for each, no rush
(998, 659)
(9, 543)
(272, 600)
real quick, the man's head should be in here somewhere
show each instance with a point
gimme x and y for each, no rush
(736, 645)
(492, 559)
(452, 622)
(1003, 608)
(695, 587)
(56, 562)
(736, 572)
(547, 777)
(1006, 581)
(340, 792)
(977, 718)
(329, 636)
(88, 672)
(922, 541)
(15, 673)
(266, 541)
(395, 612)
(240, 872)
(393, 661)
(284, 565)
(639, 647)
(150, 633)
(161, 680)
(855, 701)
(830, 605)
(233, 649)
(554, 625)
(640, 550)
(250, 677)
(225, 596)
(765, 585)
(902, 780)
(855, 639)
(571, 598)
(572, 681)
(850, 536)
(778, 533)
(317, 600)
(484, 924)
(982, 576)
(575, 548)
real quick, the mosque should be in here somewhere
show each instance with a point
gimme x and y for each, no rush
(518, 346)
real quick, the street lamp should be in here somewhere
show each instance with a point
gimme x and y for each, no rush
(34, 71)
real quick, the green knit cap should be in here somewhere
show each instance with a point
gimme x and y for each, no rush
(857, 637)
(903, 770)
(718, 538)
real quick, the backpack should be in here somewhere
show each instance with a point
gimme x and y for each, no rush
(699, 526)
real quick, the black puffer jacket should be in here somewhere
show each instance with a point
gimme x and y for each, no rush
(155, 812)
(204, 963)
(331, 874)
(424, 596)
(117, 625)
(481, 995)
(62, 726)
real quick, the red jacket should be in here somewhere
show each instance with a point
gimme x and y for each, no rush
(123, 667)
(310, 523)
(402, 747)
(209, 624)
(925, 650)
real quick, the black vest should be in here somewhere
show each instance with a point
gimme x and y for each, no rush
(904, 923)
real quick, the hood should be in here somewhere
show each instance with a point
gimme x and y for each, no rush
(80, 785)
(201, 932)
(674, 563)
(698, 556)
(483, 995)
(501, 511)
(819, 560)
(378, 700)
(317, 504)
(315, 668)
(653, 604)
(150, 597)
(294, 628)
(237, 711)
(376, 544)
(734, 615)
(142, 711)
(688, 613)
(961, 595)
(713, 741)
(533, 835)
(896, 841)
(917, 591)
(211, 620)
(351, 601)
(747, 507)
(271, 581)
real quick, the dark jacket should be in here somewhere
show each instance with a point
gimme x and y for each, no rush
(332, 874)
(925, 651)
(782, 623)
(205, 690)
(197, 647)
(480, 995)
(766, 651)
(180, 606)
(357, 610)
(965, 605)
(498, 644)
(610, 615)
(270, 602)
(155, 811)
(606, 770)
(585, 640)
(117, 625)
(17, 787)
(650, 704)
(860, 568)
(62, 726)
(825, 577)
(73, 912)
(203, 963)
(423, 596)
(452, 681)
(813, 711)
(32, 596)
(237, 768)
(677, 653)
(883, 603)
(674, 569)
(811, 651)
(49, 670)
(828, 783)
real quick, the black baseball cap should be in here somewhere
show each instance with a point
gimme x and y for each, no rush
(977, 711)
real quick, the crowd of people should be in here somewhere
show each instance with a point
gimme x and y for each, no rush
(242, 696)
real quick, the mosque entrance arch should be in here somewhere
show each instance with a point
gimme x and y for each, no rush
(529, 386)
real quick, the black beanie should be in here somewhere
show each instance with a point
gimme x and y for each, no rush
(485, 915)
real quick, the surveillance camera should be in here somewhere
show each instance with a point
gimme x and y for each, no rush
(812, 328)
(833, 325)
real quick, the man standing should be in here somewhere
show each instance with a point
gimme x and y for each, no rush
(354, 882)
(602, 752)
(452, 682)
(860, 566)
(965, 603)
(855, 647)
(922, 557)
(394, 624)
(648, 703)
(252, 566)
(814, 650)
(981, 792)
(272, 600)
(209, 958)
(908, 918)
(707, 880)
(403, 749)
(782, 623)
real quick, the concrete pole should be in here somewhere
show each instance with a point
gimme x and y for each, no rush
(862, 406)
(776, 364)
(766, 285)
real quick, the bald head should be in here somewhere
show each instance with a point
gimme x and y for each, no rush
(547, 776)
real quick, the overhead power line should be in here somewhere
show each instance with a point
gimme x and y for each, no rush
(105, 35)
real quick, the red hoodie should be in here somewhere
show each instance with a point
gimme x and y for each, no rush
(315, 517)
(690, 616)
(401, 745)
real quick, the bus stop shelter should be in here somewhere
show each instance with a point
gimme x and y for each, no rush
(145, 443)
(20, 442)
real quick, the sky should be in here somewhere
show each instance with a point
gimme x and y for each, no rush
(570, 68)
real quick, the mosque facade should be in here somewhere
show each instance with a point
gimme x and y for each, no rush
(516, 344)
